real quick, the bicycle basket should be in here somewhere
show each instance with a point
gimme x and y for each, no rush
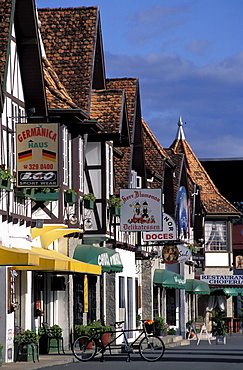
(150, 328)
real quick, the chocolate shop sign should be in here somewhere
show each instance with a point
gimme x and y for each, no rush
(222, 279)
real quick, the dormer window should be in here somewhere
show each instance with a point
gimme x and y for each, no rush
(215, 236)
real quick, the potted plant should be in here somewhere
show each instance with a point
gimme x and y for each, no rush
(70, 196)
(160, 326)
(219, 327)
(26, 346)
(45, 194)
(50, 339)
(89, 200)
(105, 330)
(171, 331)
(5, 178)
(114, 205)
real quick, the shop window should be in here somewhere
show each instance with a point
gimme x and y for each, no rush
(170, 307)
(121, 292)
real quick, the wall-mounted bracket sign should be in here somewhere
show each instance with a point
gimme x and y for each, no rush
(168, 232)
(141, 210)
(175, 253)
(37, 154)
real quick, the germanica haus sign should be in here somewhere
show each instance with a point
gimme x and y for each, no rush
(141, 210)
(222, 279)
(37, 154)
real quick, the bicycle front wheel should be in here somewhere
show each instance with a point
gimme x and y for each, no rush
(84, 348)
(151, 348)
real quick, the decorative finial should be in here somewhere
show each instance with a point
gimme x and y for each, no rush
(180, 123)
(180, 133)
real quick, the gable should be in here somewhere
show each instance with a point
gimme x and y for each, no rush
(73, 44)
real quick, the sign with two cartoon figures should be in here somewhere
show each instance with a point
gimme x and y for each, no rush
(141, 210)
(37, 154)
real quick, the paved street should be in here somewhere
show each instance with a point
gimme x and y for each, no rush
(201, 357)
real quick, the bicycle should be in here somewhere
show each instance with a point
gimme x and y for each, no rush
(151, 348)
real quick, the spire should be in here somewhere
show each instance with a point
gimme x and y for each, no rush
(180, 133)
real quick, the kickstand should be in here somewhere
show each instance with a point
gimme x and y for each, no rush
(102, 359)
(128, 359)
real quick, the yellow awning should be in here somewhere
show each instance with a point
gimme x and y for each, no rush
(55, 261)
(46, 262)
(73, 265)
(48, 237)
(38, 232)
(17, 257)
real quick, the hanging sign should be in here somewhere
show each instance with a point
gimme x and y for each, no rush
(168, 233)
(141, 210)
(175, 253)
(182, 213)
(222, 279)
(37, 154)
(239, 262)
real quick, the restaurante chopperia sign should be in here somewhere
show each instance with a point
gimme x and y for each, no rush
(141, 210)
(37, 154)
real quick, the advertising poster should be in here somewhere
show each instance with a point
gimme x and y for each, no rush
(141, 210)
(37, 154)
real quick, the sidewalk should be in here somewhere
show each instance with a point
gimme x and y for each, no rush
(234, 342)
(45, 360)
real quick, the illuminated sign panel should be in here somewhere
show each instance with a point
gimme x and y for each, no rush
(37, 154)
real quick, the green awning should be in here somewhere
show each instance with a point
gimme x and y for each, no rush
(227, 291)
(197, 286)
(168, 279)
(109, 259)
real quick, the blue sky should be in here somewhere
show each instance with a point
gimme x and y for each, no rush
(188, 56)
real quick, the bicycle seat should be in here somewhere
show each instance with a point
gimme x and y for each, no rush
(118, 324)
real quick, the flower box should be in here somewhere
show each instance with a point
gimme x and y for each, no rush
(5, 184)
(52, 343)
(114, 211)
(70, 197)
(89, 204)
(45, 197)
(20, 192)
(26, 351)
(23, 192)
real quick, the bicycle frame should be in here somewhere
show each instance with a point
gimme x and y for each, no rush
(128, 345)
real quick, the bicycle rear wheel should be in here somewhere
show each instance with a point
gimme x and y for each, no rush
(84, 348)
(151, 348)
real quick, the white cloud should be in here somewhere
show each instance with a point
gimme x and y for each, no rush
(198, 47)
(209, 98)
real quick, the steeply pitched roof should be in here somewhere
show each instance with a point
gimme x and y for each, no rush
(213, 202)
(107, 107)
(5, 15)
(72, 41)
(154, 155)
(130, 85)
(57, 96)
(133, 158)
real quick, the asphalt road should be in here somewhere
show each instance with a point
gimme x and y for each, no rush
(201, 357)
